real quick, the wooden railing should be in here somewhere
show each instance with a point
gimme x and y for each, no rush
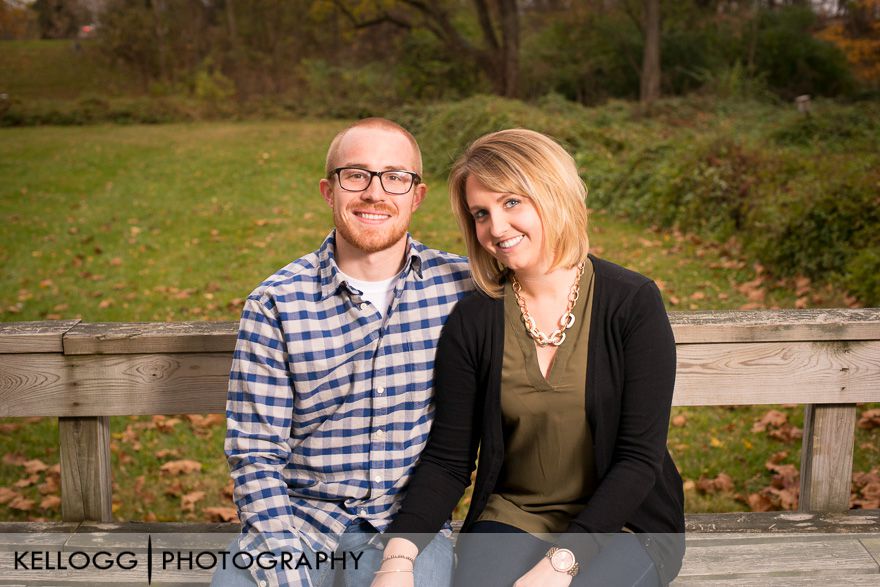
(83, 373)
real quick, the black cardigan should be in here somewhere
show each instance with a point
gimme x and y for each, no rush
(630, 379)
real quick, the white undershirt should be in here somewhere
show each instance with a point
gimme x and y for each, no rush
(378, 293)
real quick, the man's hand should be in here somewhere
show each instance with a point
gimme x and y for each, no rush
(543, 575)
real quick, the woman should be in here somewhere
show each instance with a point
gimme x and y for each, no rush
(560, 370)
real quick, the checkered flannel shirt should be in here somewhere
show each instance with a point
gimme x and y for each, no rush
(329, 407)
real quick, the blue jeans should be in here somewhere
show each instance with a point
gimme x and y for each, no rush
(495, 554)
(433, 565)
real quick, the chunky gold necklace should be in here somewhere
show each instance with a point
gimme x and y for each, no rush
(566, 321)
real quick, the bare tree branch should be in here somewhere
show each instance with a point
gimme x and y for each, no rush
(380, 19)
(486, 23)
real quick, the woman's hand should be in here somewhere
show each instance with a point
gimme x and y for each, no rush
(398, 562)
(543, 575)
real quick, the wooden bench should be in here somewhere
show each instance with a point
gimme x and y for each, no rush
(828, 360)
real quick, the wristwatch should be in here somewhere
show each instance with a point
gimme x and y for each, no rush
(562, 560)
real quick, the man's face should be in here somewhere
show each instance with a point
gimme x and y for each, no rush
(373, 220)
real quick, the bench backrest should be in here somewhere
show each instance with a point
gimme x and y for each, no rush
(82, 373)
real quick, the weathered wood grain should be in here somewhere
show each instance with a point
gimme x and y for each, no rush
(86, 483)
(827, 558)
(806, 523)
(776, 325)
(34, 337)
(113, 385)
(826, 458)
(717, 374)
(770, 373)
(32, 384)
(114, 338)
(866, 580)
(872, 545)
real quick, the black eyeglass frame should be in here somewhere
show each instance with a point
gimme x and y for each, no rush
(416, 179)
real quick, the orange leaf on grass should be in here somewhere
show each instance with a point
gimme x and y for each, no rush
(50, 502)
(199, 421)
(773, 418)
(27, 481)
(220, 514)
(759, 503)
(188, 500)
(7, 495)
(22, 504)
(181, 467)
(869, 419)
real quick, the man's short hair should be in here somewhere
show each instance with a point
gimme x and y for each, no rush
(528, 164)
(380, 123)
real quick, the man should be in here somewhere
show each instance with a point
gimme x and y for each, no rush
(330, 392)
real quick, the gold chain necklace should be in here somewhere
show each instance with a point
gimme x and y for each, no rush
(566, 321)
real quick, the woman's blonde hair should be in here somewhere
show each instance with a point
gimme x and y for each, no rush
(529, 164)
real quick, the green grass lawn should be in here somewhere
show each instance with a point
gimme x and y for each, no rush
(180, 222)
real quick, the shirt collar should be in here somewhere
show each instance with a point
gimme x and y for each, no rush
(331, 276)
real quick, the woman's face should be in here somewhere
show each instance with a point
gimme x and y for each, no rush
(508, 227)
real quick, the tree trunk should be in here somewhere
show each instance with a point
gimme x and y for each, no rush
(510, 46)
(231, 23)
(650, 81)
(161, 37)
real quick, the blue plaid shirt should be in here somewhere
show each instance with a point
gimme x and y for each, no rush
(329, 406)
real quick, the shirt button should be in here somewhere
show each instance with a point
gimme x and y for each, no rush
(262, 584)
(378, 479)
(362, 513)
(380, 390)
(380, 434)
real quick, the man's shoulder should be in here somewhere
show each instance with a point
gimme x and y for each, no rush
(301, 275)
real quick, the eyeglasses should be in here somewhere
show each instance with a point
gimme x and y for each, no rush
(396, 182)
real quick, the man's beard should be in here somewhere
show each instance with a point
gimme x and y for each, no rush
(366, 238)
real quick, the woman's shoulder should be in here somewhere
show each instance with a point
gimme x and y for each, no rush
(609, 271)
(476, 303)
(615, 283)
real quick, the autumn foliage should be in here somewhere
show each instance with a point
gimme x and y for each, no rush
(858, 36)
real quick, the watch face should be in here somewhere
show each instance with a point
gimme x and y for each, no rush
(562, 560)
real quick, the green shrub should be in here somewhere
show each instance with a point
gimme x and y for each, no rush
(793, 60)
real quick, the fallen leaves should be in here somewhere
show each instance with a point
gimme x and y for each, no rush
(869, 419)
(188, 500)
(221, 514)
(181, 467)
(723, 483)
(784, 489)
(776, 425)
(866, 490)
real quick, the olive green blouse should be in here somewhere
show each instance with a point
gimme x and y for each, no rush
(548, 474)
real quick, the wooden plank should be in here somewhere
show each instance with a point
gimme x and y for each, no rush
(851, 521)
(86, 484)
(776, 325)
(32, 385)
(820, 557)
(34, 337)
(717, 374)
(862, 580)
(826, 458)
(872, 545)
(113, 385)
(772, 373)
(113, 338)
